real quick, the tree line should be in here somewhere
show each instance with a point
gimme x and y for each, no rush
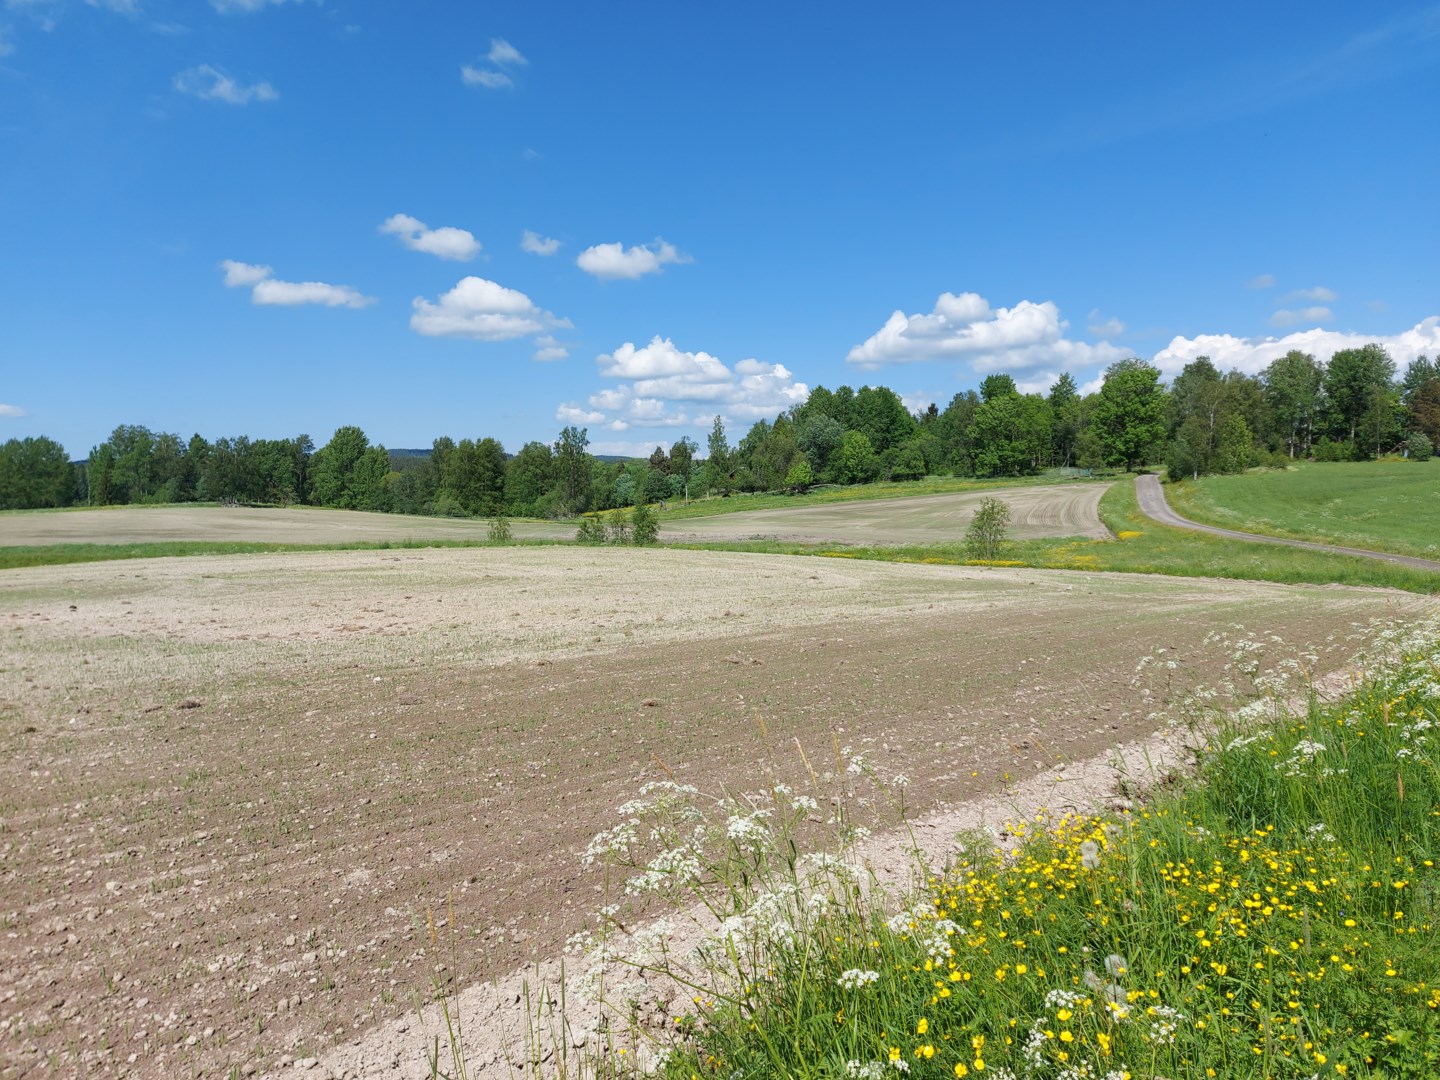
(1353, 408)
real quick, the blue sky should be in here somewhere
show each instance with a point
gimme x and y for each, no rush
(268, 217)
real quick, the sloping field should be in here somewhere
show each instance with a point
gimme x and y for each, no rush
(294, 525)
(1060, 510)
(233, 790)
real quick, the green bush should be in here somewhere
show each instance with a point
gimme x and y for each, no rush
(1419, 447)
(988, 529)
(644, 525)
(592, 531)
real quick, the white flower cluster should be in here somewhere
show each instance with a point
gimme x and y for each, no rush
(616, 841)
(1304, 754)
(1320, 831)
(1164, 1021)
(856, 979)
(870, 1070)
(676, 867)
(749, 829)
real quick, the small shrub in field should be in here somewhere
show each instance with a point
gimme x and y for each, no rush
(591, 531)
(988, 529)
(1419, 447)
(500, 530)
(644, 525)
(619, 526)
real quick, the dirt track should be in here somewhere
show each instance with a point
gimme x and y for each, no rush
(235, 787)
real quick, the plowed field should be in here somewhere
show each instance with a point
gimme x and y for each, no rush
(232, 790)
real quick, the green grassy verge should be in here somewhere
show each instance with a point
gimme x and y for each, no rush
(1272, 917)
(712, 505)
(1391, 505)
(1144, 547)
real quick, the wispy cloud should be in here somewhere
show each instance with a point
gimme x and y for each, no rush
(446, 242)
(231, 7)
(12, 412)
(613, 261)
(211, 84)
(1286, 317)
(491, 80)
(501, 55)
(1253, 86)
(1263, 281)
(1102, 327)
(1320, 294)
(268, 291)
(536, 244)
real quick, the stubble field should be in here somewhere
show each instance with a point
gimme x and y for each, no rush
(234, 789)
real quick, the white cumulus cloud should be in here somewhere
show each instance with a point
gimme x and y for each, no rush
(211, 84)
(965, 327)
(446, 242)
(268, 291)
(571, 414)
(1285, 317)
(612, 261)
(662, 385)
(484, 311)
(1253, 355)
(536, 244)
(12, 412)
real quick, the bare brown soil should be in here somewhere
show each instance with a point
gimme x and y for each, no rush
(240, 524)
(1061, 510)
(234, 791)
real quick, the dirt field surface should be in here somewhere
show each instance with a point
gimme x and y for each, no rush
(233, 789)
(296, 525)
(1060, 510)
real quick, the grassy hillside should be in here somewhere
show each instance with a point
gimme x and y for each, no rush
(1391, 505)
